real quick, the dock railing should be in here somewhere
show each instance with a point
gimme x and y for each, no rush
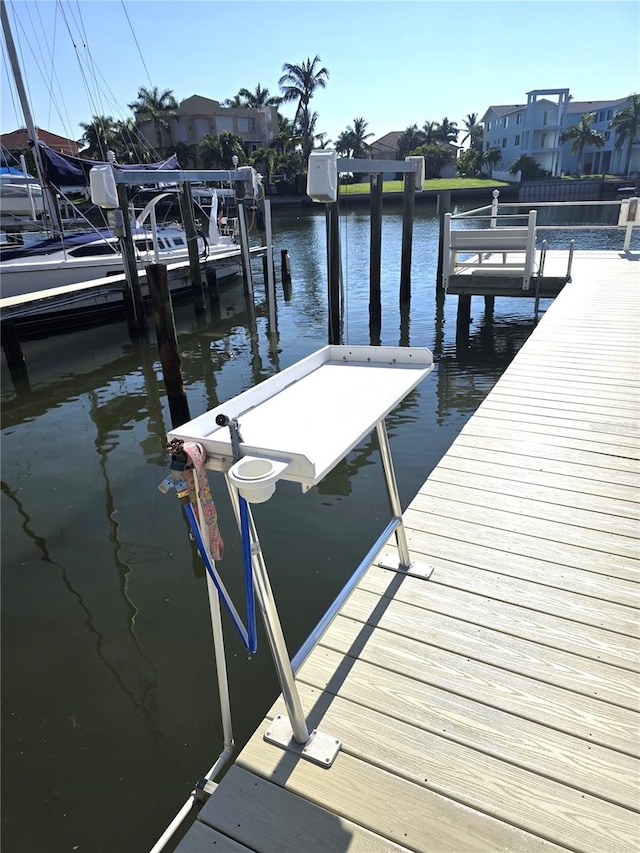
(628, 217)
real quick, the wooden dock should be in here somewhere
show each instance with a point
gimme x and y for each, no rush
(494, 706)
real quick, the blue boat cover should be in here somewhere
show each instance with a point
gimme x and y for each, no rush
(63, 170)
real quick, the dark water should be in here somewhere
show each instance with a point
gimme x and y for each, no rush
(109, 704)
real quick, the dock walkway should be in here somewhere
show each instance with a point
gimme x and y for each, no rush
(494, 706)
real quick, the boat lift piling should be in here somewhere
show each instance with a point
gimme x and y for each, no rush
(322, 186)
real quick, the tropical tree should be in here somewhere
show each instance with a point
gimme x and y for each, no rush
(187, 155)
(528, 166)
(210, 152)
(493, 157)
(230, 147)
(431, 132)
(287, 137)
(267, 157)
(259, 98)
(353, 141)
(156, 107)
(582, 135)
(307, 128)
(100, 136)
(469, 163)
(435, 158)
(299, 83)
(473, 131)
(237, 101)
(626, 123)
(408, 140)
(447, 131)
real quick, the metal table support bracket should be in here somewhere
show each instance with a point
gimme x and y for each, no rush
(321, 748)
(405, 565)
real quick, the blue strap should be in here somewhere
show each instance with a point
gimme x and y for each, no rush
(249, 637)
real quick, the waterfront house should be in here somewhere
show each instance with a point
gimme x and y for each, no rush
(18, 140)
(198, 116)
(386, 148)
(534, 128)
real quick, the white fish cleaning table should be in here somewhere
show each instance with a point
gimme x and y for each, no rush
(297, 426)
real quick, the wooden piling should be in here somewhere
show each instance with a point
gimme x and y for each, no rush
(285, 272)
(164, 322)
(463, 318)
(188, 220)
(212, 284)
(444, 206)
(333, 270)
(134, 304)
(375, 257)
(408, 210)
(15, 357)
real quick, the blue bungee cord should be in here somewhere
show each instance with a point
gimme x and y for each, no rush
(245, 534)
(248, 634)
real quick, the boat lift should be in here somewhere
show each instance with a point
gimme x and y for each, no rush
(297, 426)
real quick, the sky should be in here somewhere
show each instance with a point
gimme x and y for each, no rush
(393, 63)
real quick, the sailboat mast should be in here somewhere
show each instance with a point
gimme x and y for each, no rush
(31, 128)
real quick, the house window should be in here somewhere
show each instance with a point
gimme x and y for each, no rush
(504, 142)
(543, 140)
(517, 140)
(609, 115)
(487, 146)
(519, 118)
(489, 125)
(545, 118)
(505, 121)
(607, 135)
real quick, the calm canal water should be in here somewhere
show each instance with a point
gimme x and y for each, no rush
(109, 704)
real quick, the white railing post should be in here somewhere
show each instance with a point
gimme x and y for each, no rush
(494, 208)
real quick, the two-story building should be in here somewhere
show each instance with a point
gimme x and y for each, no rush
(535, 127)
(198, 116)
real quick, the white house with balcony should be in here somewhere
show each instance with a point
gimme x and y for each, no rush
(534, 128)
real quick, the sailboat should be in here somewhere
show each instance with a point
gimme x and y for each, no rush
(67, 259)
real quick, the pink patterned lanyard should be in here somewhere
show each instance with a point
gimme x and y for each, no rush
(202, 498)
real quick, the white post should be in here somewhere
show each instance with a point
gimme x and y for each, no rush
(632, 215)
(494, 208)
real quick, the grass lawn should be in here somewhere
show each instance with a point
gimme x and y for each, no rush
(433, 184)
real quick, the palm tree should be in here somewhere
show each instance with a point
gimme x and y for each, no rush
(359, 137)
(266, 156)
(237, 101)
(626, 123)
(230, 146)
(474, 131)
(307, 127)
(409, 140)
(447, 131)
(99, 136)
(582, 135)
(298, 83)
(430, 132)
(157, 107)
(286, 138)
(260, 98)
(491, 157)
(210, 152)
